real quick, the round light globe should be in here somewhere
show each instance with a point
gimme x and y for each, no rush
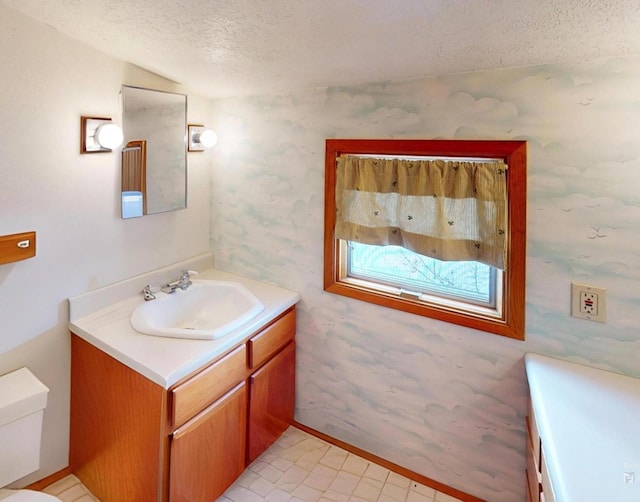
(208, 138)
(109, 136)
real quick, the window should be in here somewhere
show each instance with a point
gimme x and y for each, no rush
(386, 245)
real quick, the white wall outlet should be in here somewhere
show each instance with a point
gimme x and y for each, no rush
(588, 302)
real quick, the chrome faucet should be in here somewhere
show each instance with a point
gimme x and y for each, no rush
(183, 283)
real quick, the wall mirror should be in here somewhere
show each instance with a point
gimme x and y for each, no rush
(154, 152)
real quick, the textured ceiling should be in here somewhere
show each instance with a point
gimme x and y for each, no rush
(240, 47)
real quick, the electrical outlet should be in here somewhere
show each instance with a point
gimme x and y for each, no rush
(588, 302)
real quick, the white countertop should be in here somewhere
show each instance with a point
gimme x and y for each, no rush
(589, 422)
(101, 317)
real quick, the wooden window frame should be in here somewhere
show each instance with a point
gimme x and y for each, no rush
(514, 154)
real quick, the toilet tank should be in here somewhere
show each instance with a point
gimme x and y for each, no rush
(23, 399)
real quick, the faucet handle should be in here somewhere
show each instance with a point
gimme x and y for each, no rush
(185, 279)
(147, 294)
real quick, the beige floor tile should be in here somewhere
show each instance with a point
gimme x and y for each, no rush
(308, 447)
(307, 493)
(368, 489)
(376, 472)
(85, 498)
(271, 453)
(320, 477)
(398, 480)
(281, 463)
(335, 457)
(310, 459)
(422, 490)
(293, 477)
(419, 497)
(355, 465)
(246, 478)
(292, 436)
(344, 483)
(443, 497)
(310, 443)
(242, 494)
(278, 495)
(335, 496)
(73, 493)
(257, 465)
(271, 473)
(62, 485)
(262, 487)
(386, 498)
(394, 492)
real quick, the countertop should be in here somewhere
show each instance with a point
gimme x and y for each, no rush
(101, 317)
(589, 422)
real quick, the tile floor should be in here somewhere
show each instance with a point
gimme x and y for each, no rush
(302, 468)
(70, 489)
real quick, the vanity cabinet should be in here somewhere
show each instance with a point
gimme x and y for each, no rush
(132, 439)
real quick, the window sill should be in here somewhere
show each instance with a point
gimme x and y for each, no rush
(495, 326)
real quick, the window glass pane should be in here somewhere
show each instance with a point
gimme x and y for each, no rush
(468, 281)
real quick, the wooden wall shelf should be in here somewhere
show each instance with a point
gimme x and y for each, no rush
(17, 247)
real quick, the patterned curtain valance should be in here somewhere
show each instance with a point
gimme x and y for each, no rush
(446, 209)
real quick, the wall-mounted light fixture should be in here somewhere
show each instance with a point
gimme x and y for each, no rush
(99, 135)
(201, 138)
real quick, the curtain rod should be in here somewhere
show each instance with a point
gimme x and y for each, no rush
(420, 157)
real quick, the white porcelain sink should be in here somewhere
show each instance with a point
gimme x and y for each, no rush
(207, 310)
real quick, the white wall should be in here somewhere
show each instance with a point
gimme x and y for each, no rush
(48, 81)
(442, 400)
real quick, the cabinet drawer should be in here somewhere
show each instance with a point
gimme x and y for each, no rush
(533, 479)
(201, 390)
(272, 339)
(527, 490)
(547, 489)
(534, 435)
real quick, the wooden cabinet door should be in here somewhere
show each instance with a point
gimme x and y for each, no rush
(116, 444)
(207, 453)
(271, 401)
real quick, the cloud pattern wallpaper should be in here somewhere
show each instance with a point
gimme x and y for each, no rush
(442, 400)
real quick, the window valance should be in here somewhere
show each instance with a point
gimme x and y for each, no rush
(451, 210)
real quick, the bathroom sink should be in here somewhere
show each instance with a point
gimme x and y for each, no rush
(206, 311)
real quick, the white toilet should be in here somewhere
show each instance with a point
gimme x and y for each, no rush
(23, 399)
